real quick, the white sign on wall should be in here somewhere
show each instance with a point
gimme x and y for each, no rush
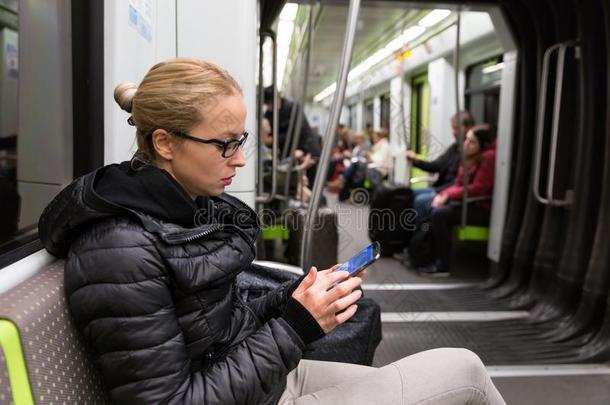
(141, 17)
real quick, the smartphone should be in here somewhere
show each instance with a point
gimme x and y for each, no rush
(362, 259)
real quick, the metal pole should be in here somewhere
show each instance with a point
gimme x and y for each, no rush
(271, 196)
(329, 139)
(461, 135)
(303, 96)
(261, 101)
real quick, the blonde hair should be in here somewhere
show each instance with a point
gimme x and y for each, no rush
(171, 97)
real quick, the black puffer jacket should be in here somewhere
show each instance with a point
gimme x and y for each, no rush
(156, 299)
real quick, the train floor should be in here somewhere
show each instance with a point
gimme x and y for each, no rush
(424, 313)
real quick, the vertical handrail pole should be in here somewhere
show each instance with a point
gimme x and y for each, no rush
(555, 129)
(461, 134)
(261, 102)
(540, 124)
(329, 138)
(268, 198)
(302, 98)
(561, 56)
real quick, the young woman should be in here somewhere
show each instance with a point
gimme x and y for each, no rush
(447, 205)
(153, 247)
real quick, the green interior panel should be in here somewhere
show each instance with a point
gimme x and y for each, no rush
(275, 232)
(15, 362)
(472, 233)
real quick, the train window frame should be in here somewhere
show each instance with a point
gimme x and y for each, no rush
(482, 90)
(87, 114)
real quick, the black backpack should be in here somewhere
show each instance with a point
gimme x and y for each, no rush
(392, 218)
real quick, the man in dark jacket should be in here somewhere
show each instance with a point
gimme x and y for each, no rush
(446, 165)
(310, 143)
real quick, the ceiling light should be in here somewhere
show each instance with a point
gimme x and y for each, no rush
(434, 17)
(284, 37)
(493, 68)
(289, 12)
(325, 93)
(412, 32)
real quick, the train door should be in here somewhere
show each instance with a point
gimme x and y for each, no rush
(420, 121)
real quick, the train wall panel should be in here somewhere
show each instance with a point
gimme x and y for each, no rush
(136, 36)
(441, 76)
(204, 32)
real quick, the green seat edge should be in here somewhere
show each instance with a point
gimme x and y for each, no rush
(274, 232)
(19, 380)
(474, 233)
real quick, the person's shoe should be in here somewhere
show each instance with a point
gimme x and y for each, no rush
(436, 269)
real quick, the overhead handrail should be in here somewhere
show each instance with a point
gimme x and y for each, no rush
(549, 198)
(329, 138)
(299, 123)
(262, 198)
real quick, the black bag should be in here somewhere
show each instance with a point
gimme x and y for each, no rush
(325, 240)
(354, 341)
(421, 247)
(392, 218)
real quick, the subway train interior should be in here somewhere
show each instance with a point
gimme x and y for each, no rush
(330, 86)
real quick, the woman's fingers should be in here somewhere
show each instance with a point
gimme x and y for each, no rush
(345, 315)
(342, 289)
(332, 278)
(342, 303)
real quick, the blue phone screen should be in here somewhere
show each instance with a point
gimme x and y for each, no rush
(364, 257)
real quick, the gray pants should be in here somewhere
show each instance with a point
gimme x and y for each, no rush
(440, 376)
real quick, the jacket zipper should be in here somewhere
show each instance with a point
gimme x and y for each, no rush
(179, 240)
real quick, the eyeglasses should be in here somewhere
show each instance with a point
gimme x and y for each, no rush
(229, 147)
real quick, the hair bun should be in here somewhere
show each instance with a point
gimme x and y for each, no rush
(123, 95)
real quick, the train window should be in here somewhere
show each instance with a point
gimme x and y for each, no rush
(385, 111)
(369, 114)
(51, 110)
(483, 89)
(9, 78)
(353, 117)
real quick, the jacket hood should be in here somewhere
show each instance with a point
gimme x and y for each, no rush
(148, 194)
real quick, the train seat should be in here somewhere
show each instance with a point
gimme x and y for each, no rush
(42, 359)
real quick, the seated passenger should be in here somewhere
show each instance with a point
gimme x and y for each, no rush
(378, 160)
(447, 205)
(153, 248)
(446, 165)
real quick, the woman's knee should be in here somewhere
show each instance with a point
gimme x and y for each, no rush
(460, 364)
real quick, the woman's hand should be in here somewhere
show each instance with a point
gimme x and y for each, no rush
(317, 294)
(411, 156)
(439, 200)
